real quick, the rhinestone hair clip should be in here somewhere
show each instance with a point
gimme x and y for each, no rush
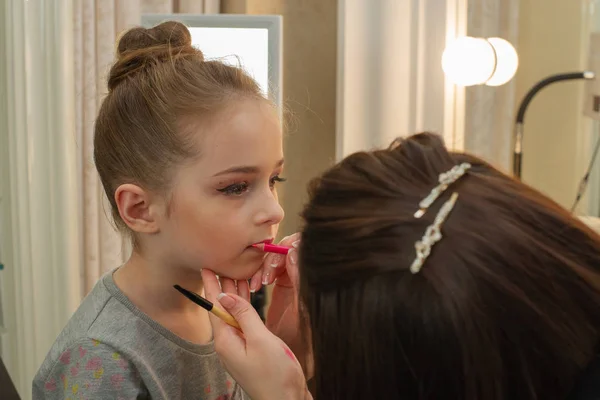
(445, 179)
(432, 235)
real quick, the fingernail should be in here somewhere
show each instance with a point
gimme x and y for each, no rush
(225, 300)
(265, 280)
(254, 283)
(276, 260)
(296, 244)
(293, 256)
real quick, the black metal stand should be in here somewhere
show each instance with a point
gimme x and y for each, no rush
(518, 132)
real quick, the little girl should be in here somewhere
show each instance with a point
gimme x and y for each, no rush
(189, 153)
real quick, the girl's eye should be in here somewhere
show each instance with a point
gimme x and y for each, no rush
(237, 189)
(276, 179)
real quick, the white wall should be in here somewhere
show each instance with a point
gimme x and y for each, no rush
(591, 128)
(552, 39)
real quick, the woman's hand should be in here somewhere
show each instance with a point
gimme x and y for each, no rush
(259, 361)
(283, 317)
(271, 269)
(241, 287)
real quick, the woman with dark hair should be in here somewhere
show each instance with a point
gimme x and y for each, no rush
(425, 274)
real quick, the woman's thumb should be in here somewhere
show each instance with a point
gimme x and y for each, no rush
(243, 312)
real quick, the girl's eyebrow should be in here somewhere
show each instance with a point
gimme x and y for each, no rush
(245, 169)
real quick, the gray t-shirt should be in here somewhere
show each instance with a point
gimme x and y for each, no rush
(111, 350)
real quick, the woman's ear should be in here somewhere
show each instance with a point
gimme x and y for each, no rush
(136, 208)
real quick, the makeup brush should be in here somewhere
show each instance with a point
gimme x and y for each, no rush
(272, 248)
(208, 306)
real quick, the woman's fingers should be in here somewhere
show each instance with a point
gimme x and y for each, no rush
(272, 262)
(212, 288)
(291, 240)
(228, 285)
(228, 337)
(243, 312)
(291, 266)
(256, 281)
(243, 289)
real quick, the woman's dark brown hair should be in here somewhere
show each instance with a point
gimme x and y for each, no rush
(507, 306)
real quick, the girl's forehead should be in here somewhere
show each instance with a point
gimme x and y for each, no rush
(249, 134)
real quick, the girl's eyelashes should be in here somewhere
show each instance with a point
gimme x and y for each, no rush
(276, 179)
(236, 189)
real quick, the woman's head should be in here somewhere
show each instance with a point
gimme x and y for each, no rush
(505, 306)
(188, 151)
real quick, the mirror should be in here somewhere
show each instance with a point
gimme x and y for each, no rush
(252, 41)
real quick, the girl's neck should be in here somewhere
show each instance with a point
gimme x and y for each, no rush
(156, 279)
(149, 286)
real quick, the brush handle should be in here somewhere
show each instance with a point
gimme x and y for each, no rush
(226, 317)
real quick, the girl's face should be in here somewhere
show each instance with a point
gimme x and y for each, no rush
(226, 200)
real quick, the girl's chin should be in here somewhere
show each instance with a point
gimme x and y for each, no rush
(243, 269)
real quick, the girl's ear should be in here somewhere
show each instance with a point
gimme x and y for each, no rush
(136, 208)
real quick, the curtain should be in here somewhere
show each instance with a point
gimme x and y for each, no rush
(97, 25)
(490, 111)
(39, 232)
(390, 82)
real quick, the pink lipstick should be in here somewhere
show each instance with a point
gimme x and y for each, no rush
(272, 248)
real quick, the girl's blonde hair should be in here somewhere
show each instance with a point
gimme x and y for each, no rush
(161, 89)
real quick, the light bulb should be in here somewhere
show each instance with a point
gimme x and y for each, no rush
(507, 62)
(469, 61)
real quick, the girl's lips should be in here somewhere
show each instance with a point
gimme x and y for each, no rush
(266, 241)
